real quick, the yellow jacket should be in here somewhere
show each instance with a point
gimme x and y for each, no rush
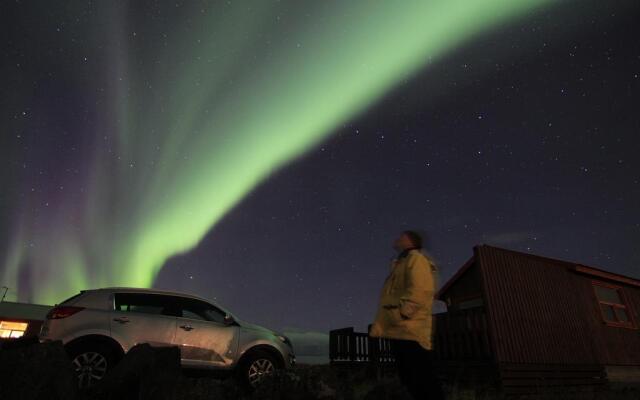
(406, 301)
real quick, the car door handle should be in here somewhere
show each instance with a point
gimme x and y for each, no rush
(122, 320)
(186, 327)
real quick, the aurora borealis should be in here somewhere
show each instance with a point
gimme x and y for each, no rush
(264, 154)
(201, 106)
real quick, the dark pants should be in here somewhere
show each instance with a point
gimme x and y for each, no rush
(416, 370)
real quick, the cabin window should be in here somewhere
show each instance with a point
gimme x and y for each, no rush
(613, 305)
(12, 329)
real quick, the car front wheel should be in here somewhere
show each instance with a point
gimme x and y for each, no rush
(256, 367)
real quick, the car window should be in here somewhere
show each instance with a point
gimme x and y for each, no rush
(75, 296)
(192, 315)
(145, 303)
(197, 309)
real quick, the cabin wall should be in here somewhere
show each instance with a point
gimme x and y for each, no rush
(541, 311)
(32, 314)
(536, 310)
(465, 290)
(615, 345)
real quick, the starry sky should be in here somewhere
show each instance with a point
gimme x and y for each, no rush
(265, 156)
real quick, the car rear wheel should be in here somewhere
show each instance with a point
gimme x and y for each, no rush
(256, 367)
(91, 363)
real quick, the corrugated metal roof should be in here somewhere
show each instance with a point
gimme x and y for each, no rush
(601, 273)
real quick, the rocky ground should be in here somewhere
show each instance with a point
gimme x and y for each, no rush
(30, 370)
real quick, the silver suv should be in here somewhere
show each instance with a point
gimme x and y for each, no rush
(99, 326)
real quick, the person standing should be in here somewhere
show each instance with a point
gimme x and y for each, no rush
(404, 316)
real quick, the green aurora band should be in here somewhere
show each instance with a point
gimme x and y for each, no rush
(197, 118)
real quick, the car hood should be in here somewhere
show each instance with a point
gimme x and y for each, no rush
(255, 327)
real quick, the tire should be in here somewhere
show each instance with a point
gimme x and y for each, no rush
(255, 367)
(92, 362)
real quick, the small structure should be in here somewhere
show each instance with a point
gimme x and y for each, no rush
(21, 319)
(528, 322)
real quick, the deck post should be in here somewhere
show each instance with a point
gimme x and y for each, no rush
(374, 355)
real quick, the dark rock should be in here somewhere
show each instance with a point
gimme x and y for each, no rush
(33, 370)
(144, 373)
(7, 344)
(388, 390)
(207, 388)
(309, 383)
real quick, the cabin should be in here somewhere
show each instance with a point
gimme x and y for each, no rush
(524, 322)
(21, 319)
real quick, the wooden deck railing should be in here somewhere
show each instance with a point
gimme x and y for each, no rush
(459, 336)
(464, 355)
(348, 346)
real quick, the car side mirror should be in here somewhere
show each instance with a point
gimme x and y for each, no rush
(229, 320)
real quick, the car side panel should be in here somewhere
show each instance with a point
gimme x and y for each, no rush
(156, 330)
(206, 344)
(83, 323)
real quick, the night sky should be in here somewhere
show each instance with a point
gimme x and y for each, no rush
(130, 158)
